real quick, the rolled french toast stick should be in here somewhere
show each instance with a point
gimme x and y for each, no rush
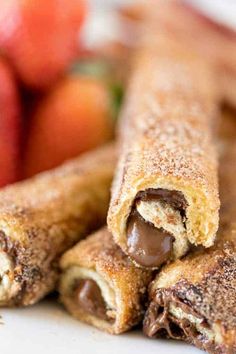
(165, 190)
(42, 217)
(99, 284)
(194, 299)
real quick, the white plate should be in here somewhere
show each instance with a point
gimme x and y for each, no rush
(47, 329)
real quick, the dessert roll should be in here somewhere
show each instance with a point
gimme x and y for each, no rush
(42, 217)
(194, 299)
(165, 191)
(100, 286)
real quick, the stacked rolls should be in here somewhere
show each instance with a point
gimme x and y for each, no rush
(160, 257)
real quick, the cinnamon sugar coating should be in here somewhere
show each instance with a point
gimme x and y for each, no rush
(99, 254)
(166, 136)
(204, 282)
(42, 217)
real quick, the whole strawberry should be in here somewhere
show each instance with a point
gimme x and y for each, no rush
(9, 126)
(40, 37)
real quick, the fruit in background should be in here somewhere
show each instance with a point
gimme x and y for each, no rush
(105, 66)
(9, 126)
(40, 37)
(75, 116)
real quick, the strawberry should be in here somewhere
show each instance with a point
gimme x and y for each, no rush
(9, 126)
(40, 37)
(75, 116)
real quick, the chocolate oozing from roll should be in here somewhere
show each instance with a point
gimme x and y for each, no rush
(88, 296)
(168, 316)
(158, 318)
(147, 245)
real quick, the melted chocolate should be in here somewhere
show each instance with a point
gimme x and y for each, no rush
(174, 198)
(159, 322)
(89, 297)
(147, 245)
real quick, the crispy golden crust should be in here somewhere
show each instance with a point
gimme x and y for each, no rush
(44, 216)
(203, 284)
(100, 254)
(167, 138)
(207, 292)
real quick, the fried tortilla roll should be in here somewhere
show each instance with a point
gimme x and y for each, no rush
(101, 286)
(194, 299)
(165, 192)
(43, 217)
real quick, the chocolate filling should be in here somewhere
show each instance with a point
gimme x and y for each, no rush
(159, 322)
(147, 245)
(88, 296)
(174, 198)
